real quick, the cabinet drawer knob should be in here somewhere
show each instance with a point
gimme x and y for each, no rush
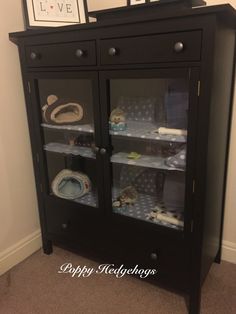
(103, 151)
(34, 55)
(154, 256)
(179, 46)
(112, 51)
(64, 226)
(79, 53)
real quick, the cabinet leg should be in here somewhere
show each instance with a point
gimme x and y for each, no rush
(47, 246)
(195, 302)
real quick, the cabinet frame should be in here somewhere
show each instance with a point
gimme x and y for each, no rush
(208, 88)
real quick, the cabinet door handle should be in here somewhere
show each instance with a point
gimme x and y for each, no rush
(79, 53)
(96, 149)
(103, 151)
(34, 55)
(179, 46)
(112, 51)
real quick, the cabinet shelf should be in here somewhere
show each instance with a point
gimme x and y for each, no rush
(86, 128)
(146, 130)
(68, 149)
(89, 199)
(141, 209)
(144, 161)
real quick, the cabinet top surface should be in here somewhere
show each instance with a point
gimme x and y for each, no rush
(225, 10)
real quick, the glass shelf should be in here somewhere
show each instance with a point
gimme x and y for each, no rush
(146, 130)
(142, 209)
(144, 161)
(86, 128)
(69, 149)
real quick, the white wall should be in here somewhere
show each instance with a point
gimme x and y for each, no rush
(19, 225)
(18, 206)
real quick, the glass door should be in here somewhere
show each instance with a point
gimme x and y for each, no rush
(67, 108)
(147, 116)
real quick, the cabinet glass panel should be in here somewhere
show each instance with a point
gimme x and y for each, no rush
(148, 130)
(68, 128)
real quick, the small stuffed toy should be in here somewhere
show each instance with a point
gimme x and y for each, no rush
(117, 120)
(62, 112)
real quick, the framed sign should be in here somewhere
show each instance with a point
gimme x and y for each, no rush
(49, 13)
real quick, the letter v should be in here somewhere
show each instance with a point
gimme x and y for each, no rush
(60, 7)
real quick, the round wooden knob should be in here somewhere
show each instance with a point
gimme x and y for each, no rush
(179, 46)
(64, 226)
(103, 151)
(79, 53)
(154, 256)
(112, 51)
(34, 55)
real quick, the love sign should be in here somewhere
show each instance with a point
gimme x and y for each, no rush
(55, 12)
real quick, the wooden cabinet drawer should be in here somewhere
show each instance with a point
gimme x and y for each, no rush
(172, 260)
(182, 46)
(66, 54)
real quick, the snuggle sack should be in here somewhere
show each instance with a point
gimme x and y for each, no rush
(70, 184)
(63, 111)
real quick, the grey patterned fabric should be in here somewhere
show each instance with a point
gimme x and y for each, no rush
(176, 104)
(139, 108)
(177, 161)
(174, 191)
(145, 181)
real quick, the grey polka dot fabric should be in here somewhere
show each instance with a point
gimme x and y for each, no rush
(139, 108)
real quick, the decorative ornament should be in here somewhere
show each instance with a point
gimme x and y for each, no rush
(117, 120)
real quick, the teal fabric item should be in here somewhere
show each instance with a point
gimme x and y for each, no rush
(69, 187)
(177, 161)
(121, 126)
(70, 184)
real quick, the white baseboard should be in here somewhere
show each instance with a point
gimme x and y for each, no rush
(32, 243)
(20, 251)
(229, 252)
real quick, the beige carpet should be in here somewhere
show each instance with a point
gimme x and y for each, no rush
(34, 286)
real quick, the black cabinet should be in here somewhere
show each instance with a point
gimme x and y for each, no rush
(129, 122)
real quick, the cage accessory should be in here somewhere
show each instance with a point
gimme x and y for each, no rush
(168, 131)
(158, 214)
(128, 196)
(62, 111)
(177, 161)
(134, 155)
(117, 120)
(70, 184)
